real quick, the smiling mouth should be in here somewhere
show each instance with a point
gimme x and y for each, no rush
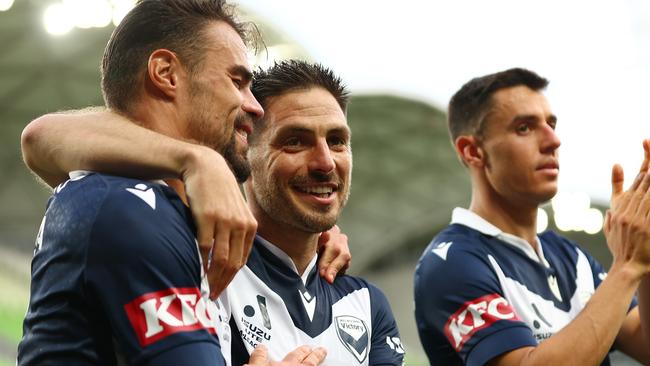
(242, 133)
(318, 191)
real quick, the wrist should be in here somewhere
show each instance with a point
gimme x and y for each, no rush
(195, 158)
(628, 271)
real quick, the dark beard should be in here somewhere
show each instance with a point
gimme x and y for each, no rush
(238, 163)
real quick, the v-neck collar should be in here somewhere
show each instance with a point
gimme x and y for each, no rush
(472, 220)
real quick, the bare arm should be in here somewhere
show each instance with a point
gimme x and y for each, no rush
(99, 140)
(103, 141)
(588, 338)
(634, 337)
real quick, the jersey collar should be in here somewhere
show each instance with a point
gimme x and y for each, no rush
(78, 174)
(472, 220)
(287, 260)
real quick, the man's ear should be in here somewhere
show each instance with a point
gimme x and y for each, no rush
(469, 150)
(164, 70)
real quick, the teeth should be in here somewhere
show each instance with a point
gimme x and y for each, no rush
(317, 190)
(242, 134)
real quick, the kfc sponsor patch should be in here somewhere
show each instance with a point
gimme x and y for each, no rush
(476, 315)
(159, 314)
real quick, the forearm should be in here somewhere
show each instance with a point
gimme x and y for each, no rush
(588, 338)
(644, 309)
(634, 337)
(99, 140)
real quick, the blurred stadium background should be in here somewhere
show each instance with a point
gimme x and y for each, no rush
(406, 179)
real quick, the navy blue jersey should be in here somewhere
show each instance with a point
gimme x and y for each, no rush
(480, 292)
(116, 278)
(269, 303)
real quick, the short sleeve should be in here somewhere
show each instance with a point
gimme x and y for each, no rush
(461, 312)
(386, 346)
(143, 274)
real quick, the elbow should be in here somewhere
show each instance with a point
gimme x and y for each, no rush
(29, 140)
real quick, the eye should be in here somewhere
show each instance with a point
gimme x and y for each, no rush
(238, 83)
(292, 142)
(337, 142)
(552, 123)
(523, 128)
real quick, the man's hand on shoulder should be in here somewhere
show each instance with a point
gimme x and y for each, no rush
(225, 225)
(334, 255)
(301, 356)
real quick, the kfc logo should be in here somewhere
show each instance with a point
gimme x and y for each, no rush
(158, 314)
(475, 315)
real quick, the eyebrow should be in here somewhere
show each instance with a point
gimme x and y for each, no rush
(242, 72)
(528, 117)
(299, 129)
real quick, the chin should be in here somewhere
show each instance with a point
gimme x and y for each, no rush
(546, 194)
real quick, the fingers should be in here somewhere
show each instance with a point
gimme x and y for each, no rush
(298, 354)
(259, 357)
(644, 204)
(335, 254)
(205, 238)
(251, 230)
(617, 181)
(326, 256)
(338, 266)
(306, 355)
(629, 197)
(315, 357)
(646, 157)
(219, 270)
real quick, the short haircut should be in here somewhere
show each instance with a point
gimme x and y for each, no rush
(176, 25)
(294, 75)
(469, 106)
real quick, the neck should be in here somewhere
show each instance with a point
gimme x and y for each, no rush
(509, 217)
(299, 245)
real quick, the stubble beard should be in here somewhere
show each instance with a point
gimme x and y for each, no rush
(277, 203)
(237, 160)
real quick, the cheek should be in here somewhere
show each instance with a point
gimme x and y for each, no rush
(344, 166)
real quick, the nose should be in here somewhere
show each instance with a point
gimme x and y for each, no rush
(252, 106)
(551, 141)
(321, 158)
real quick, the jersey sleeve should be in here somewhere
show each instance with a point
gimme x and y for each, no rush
(143, 274)
(386, 346)
(461, 312)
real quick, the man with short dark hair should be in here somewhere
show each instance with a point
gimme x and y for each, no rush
(488, 289)
(301, 164)
(301, 160)
(116, 274)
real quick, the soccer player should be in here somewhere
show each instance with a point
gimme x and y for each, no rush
(116, 274)
(488, 289)
(301, 164)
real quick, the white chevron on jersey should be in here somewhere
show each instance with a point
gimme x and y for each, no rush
(242, 294)
(541, 315)
(146, 194)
